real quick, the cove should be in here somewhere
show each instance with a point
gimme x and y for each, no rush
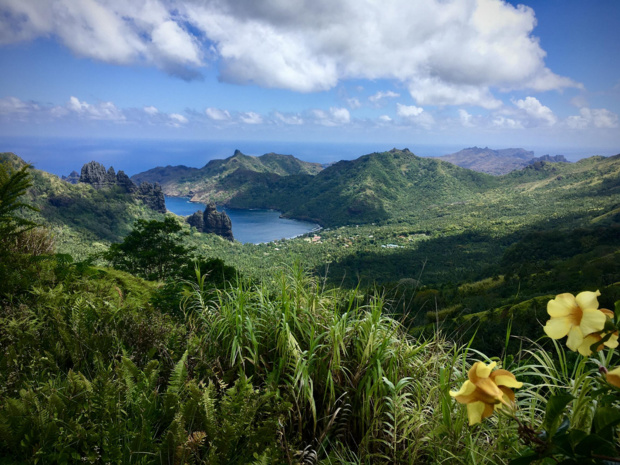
(249, 226)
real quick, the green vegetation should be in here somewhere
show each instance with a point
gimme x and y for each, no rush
(185, 348)
(153, 250)
(219, 180)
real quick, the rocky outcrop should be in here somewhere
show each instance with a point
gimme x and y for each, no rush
(151, 195)
(549, 158)
(94, 173)
(123, 181)
(212, 221)
(73, 178)
(196, 220)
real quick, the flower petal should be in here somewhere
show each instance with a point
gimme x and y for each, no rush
(475, 411)
(575, 338)
(508, 394)
(584, 348)
(466, 389)
(557, 328)
(612, 343)
(588, 300)
(483, 371)
(592, 321)
(613, 377)
(505, 378)
(562, 305)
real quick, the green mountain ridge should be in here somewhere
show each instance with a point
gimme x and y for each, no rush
(204, 184)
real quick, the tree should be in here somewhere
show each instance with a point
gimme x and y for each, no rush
(13, 185)
(153, 250)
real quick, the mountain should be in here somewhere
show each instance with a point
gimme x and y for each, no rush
(83, 215)
(205, 184)
(497, 162)
(372, 188)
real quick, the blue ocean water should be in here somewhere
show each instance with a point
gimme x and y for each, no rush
(253, 226)
(63, 155)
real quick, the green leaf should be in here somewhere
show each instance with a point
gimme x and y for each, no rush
(605, 419)
(555, 407)
(593, 443)
(617, 311)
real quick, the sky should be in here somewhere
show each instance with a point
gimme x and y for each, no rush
(538, 74)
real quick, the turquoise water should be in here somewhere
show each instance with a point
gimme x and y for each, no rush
(253, 226)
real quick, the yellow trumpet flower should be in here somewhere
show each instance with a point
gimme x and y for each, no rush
(576, 317)
(485, 391)
(613, 377)
(612, 342)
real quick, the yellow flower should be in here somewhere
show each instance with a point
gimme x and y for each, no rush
(613, 377)
(485, 391)
(576, 316)
(612, 342)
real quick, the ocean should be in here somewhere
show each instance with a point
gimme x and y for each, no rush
(60, 156)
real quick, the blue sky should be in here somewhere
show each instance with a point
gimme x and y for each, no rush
(539, 74)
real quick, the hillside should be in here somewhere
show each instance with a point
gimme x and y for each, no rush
(82, 217)
(205, 184)
(372, 188)
(497, 162)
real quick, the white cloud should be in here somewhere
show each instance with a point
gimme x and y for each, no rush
(251, 118)
(288, 119)
(100, 111)
(435, 91)
(506, 123)
(533, 108)
(178, 118)
(445, 52)
(407, 111)
(175, 44)
(151, 110)
(415, 115)
(14, 108)
(385, 118)
(217, 115)
(465, 118)
(593, 118)
(382, 95)
(335, 117)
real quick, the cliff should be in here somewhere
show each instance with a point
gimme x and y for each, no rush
(212, 221)
(96, 175)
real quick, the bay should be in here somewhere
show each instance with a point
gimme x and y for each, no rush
(249, 226)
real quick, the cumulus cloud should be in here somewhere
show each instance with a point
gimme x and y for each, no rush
(382, 95)
(99, 111)
(250, 117)
(177, 120)
(408, 111)
(385, 119)
(506, 123)
(593, 118)
(217, 115)
(445, 52)
(534, 109)
(435, 91)
(114, 31)
(415, 115)
(151, 110)
(334, 117)
(288, 119)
